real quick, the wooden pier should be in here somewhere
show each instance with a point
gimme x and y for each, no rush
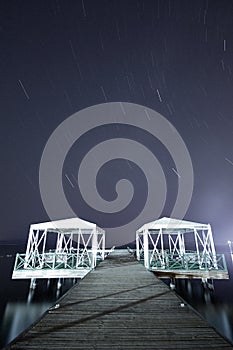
(120, 305)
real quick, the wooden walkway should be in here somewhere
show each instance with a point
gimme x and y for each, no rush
(120, 305)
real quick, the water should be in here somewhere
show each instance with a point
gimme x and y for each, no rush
(216, 306)
(19, 308)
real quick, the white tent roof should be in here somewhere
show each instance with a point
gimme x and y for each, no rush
(173, 224)
(63, 225)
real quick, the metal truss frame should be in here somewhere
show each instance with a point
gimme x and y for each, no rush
(74, 249)
(165, 249)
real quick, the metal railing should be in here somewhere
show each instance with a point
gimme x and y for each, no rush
(55, 260)
(187, 261)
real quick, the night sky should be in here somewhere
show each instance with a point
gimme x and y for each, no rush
(59, 57)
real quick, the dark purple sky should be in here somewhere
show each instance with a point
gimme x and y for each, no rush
(58, 57)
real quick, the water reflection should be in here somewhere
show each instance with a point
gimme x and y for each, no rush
(20, 314)
(220, 317)
(30, 295)
(214, 304)
(207, 296)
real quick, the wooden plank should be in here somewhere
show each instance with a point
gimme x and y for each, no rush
(120, 305)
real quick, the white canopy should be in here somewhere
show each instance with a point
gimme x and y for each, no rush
(173, 224)
(65, 225)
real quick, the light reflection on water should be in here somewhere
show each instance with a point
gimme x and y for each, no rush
(20, 307)
(216, 306)
(215, 310)
(21, 314)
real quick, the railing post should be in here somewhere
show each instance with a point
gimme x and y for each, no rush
(54, 259)
(103, 246)
(94, 248)
(29, 246)
(146, 249)
(16, 261)
(137, 246)
(224, 262)
(213, 251)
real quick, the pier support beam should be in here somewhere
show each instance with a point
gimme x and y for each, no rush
(206, 284)
(33, 283)
(59, 283)
(172, 283)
